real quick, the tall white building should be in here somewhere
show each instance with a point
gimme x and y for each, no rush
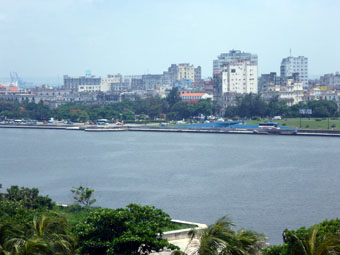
(232, 57)
(240, 77)
(298, 65)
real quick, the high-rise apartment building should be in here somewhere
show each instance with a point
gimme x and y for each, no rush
(185, 72)
(291, 65)
(240, 78)
(235, 73)
(232, 57)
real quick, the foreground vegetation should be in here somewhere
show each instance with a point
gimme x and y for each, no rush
(34, 224)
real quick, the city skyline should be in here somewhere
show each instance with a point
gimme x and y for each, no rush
(53, 38)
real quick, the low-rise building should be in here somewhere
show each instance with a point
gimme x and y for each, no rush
(179, 72)
(111, 82)
(72, 83)
(290, 91)
(89, 88)
(330, 80)
(195, 96)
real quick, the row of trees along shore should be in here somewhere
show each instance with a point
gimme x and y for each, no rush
(33, 224)
(170, 108)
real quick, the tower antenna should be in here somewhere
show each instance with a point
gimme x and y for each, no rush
(290, 51)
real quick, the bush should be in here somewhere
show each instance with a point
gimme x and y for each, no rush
(284, 124)
(280, 249)
(29, 198)
(333, 126)
(256, 118)
(318, 119)
(307, 126)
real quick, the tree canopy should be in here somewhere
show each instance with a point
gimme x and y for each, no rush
(135, 229)
(319, 239)
(251, 105)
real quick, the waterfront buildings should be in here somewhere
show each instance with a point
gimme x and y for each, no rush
(291, 65)
(236, 74)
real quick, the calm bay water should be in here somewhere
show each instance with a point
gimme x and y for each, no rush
(264, 183)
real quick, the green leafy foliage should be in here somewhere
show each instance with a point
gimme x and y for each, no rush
(25, 110)
(11, 211)
(320, 239)
(250, 105)
(275, 250)
(28, 198)
(44, 235)
(133, 230)
(173, 97)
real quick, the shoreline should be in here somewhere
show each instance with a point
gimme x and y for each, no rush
(141, 128)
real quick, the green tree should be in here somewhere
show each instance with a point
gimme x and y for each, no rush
(45, 235)
(277, 107)
(182, 110)
(220, 238)
(173, 97)
(83, 196)
(133, 230)
(204, 107)
(322, 108)
(231, 111)
(127, 115)
(29, 198)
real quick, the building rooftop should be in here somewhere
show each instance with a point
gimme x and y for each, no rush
(192, 94)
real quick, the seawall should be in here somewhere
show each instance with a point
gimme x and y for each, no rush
(112, 128)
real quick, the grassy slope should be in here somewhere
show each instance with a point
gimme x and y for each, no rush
(306, 123)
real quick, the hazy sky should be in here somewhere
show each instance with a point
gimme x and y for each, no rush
(49, 38)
